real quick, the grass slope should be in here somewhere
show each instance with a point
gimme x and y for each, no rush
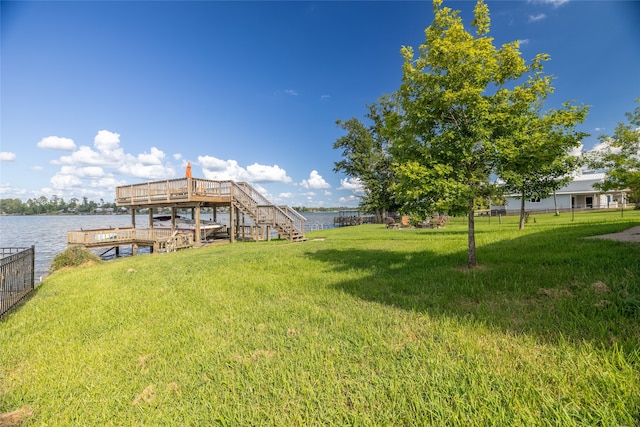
(361, 326)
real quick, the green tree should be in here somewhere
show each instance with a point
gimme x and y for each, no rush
(365, 155)
(12, 206)
(621, 157)
(534, 151)
(457, 97)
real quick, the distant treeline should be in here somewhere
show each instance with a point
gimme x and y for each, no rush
(55, 205)
(334, 209)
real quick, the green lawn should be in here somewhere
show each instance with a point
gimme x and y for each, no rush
(357, 326)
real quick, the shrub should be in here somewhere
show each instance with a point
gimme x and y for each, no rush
(73, 257)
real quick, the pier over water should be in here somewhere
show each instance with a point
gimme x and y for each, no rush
(251, 215)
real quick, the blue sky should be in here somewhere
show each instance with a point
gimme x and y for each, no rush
(98, 94)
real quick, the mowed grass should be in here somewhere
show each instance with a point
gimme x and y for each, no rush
(357, 326)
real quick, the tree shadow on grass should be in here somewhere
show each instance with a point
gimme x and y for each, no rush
(553, 284)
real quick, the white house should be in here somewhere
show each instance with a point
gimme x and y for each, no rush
(578, 194)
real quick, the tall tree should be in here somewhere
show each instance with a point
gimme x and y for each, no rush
(366, 157)
(455, 98)
(620, 157)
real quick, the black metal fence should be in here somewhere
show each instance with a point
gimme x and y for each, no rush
(16, 275)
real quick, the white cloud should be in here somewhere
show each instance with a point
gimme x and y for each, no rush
(315, 181)
(107, 182)
(154, 158)
(349, 199)
(538, 17)
(523, 42)
(83, 172)
(285, 195)
(351, 184)
(214, 168)
(291, 92)
(576, 151)
(106, 141)
(5, 188)
(150, 172)
(605, 147)
(84, 156)
(554, 3)
(57, 143)
(265, 173)
(7, 156)
(177, 156)
(63, 182)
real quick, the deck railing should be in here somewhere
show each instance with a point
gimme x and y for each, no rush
(188, 190)
(172, 190)
(115, 236)
(16, 276)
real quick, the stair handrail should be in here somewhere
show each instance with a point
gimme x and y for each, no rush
(254, 202)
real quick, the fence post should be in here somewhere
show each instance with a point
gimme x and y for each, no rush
(33, 266)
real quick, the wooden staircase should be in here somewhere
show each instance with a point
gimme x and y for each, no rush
(285, 220)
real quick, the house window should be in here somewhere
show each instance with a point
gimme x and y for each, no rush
(535, 200)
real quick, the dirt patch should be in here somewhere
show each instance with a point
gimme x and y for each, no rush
(15, 418)
(600, 288)
(630, 235)
(148, 395)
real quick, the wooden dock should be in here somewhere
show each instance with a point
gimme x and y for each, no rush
(157, 240)
(248, 208)
(251, 215)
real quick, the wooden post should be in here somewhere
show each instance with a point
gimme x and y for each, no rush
(173, 218)
(133, 217)
(150, 217)
(33, 266)
(232, 234)
(243, 226)
(198, 238)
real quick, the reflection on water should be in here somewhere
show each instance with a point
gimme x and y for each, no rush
(49, 233)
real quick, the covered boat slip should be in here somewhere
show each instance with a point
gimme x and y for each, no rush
(250, 213)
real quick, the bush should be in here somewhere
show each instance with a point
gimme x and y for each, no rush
(73, 257)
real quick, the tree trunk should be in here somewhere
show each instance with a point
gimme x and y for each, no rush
(555, 203)
(472, 235)
(522, 211)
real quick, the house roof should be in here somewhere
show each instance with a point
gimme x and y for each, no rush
(580, 186)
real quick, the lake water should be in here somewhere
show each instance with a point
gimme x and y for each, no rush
(49, 233)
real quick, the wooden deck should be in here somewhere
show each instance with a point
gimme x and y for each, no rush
(158, 240)
(175, 192)
(246, 205)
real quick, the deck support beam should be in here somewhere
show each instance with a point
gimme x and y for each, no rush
(198, 237)
(232, 225)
